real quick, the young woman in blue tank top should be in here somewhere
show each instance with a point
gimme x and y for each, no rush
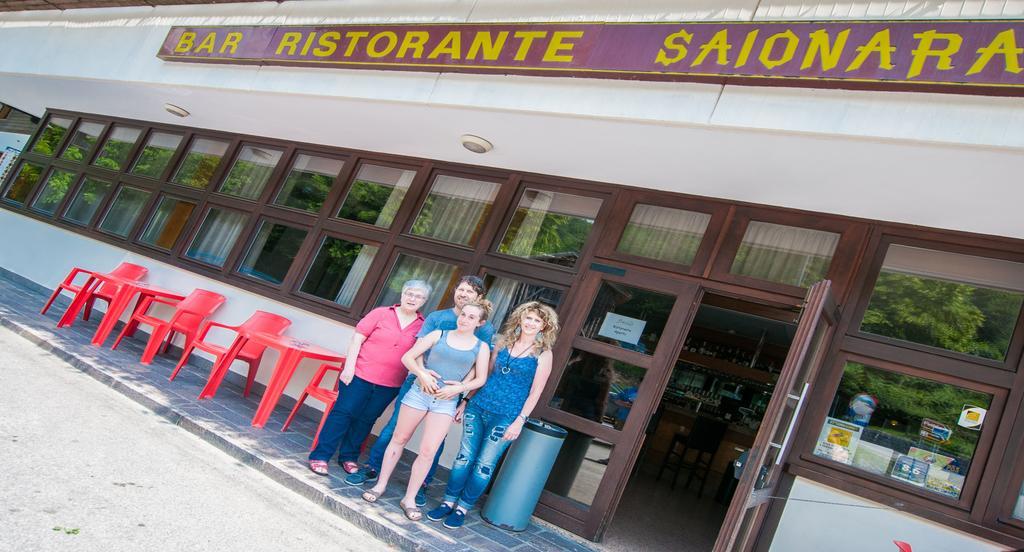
(457, 364)
(496, 413)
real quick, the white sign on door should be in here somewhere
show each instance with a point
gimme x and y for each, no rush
(622, 328)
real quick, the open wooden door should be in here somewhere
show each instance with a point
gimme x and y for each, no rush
(759, 484)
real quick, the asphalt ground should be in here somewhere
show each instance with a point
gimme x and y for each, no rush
(83, 468)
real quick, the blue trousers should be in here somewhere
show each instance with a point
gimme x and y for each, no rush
(381, 445)
(359, 405)
(482, 447)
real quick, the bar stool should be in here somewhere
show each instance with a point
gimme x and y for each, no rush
(704, 439)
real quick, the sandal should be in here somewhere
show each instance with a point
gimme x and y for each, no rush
(371, 495)
(411, 512)
(350, 467)
(318, 467)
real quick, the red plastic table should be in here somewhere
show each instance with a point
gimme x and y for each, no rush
(292, 352)
(126, 289)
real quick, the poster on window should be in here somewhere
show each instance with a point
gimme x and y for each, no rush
(911, 470)
(838, 440)
(623, 329)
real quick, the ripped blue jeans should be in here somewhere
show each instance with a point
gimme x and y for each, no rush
(482, 447)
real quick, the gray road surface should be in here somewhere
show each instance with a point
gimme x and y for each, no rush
(83, 468)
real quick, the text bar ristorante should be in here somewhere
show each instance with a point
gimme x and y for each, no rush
(975, 53)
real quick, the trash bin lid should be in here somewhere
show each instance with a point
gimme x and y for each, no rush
(541, 426)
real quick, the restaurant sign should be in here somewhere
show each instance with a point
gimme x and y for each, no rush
(965, 55)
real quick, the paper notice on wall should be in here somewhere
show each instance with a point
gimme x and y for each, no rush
(622, 328)
(873, 458)
(838, 440)
(972, 417)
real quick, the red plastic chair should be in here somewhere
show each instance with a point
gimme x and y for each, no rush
(326, 396)
(189, 313)
(251, 352)
(106, 290)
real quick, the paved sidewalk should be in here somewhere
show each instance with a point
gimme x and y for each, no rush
(87, 469)
(224, 422)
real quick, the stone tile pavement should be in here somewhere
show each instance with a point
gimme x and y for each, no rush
(224, 422)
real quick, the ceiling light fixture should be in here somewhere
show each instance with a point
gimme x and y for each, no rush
(176, 110)
(476, 144)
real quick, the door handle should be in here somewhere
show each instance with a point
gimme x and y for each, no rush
(792, 423)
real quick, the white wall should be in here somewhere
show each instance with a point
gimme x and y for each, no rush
(928, 159)
(45, 254)
(817, 517)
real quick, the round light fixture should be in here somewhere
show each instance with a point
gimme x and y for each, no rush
(476, 144)
(176, 110)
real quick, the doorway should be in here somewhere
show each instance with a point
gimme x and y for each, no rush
(707, 416)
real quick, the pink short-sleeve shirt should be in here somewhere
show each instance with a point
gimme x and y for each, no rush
(380, 358)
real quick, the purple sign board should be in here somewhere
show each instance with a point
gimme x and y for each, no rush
(965, 56)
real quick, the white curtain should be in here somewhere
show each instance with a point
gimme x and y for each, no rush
(536, 203)
(396, 179)
(785, 254)
(662, 233)
(217, 236)
(355, 276)
(457, 209)
(439, 275)
(955, 267)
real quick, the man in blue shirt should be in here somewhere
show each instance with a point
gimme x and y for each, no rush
(470, 289)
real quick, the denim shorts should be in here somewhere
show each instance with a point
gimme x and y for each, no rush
(419, 400)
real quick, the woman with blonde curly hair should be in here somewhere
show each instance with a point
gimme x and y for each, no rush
(495, 414)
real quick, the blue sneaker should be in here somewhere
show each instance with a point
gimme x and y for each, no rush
(421, 497)
(439, 513)
(455, 519)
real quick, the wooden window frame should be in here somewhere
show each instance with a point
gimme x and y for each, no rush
(136, 227)
(39, 134)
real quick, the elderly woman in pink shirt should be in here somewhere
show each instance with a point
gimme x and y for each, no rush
(372, 376)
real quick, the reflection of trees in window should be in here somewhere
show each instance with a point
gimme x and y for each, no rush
(550, 226)
(82, 141)
(118, 146)
(455, 209)
(272, 252)
(51, 136)
(196, 169)
(250, 172)
(306, 190)
(156, 155)
(338, 269)
(87, 200)
(954, 316)
(22, 185)
(53, 192)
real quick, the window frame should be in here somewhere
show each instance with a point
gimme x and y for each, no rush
(147, 207)
(375, 268)
(39, 134)
(250, 238)
(89, 154)
(185, 230)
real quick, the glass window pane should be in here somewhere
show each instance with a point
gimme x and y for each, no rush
(376, 194)
(309, 181)
(338, 269)
(82, 141)
(52, 134)
(507, 293)
(87, 200)
(251, 171)
(216, 236)
(956, 302)
(53, 191)
(628, 317)
(664, 234)
(124, 210)
(167, 223)
(550, 227)
(598, 388)
(455, 209)
(272, 251)
(198, 165)
(442, 277)
(911, 429)
(784, 254)
(579, 467)
(117, 148)
(156, 154)
(22, 184)
(1018, 507)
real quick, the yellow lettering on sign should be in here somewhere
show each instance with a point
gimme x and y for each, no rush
(413, 40)
(450, 45)
(558, 45)
(308, 44)
(1005, 44)
(527, 38)
(676, 41)
(748, 46)
(289, 41)
(880, 44)
(231, 41)
(491, 47)
(328, 44)
(185, 43)
(207, 44)
(925, 50)
(769, 46)
(389, 37)
(353, 40)
(828, 51)
(719, 44)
